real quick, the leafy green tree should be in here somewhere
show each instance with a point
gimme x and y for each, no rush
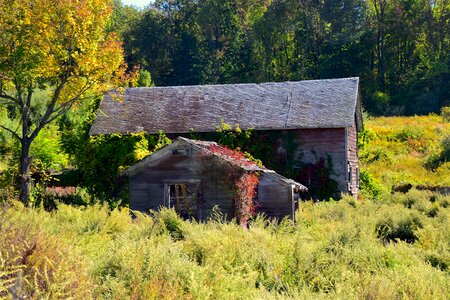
(145, 79)
(59, 49)
(399, 48)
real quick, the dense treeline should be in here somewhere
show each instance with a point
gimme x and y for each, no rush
(399, 48)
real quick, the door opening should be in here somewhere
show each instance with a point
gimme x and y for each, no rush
(183, 197)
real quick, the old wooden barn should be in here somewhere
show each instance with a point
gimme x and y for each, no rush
(303, 123)
(195, 176)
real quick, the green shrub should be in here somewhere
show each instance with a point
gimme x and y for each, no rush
(439, 261)
(437, 159)
(409, 133)
(171, 222)
(368, 185)
(375, 154)
(403, 229)
(445, 113)
(145, 79)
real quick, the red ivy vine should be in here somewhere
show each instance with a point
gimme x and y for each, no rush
(246, 190)
(237, 156)
(244, 183)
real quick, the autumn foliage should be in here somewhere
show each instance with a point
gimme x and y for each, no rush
(53, 55)
(244, 183)
(234, 155)
(246, 191)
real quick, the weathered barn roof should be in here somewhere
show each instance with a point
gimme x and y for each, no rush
(217, 151)
(330, 103)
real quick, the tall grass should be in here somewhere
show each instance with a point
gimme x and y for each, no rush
(396, 248)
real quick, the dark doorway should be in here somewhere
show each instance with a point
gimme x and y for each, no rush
(183, 197)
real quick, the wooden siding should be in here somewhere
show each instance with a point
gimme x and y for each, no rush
(274, 199)
(352, 144)
(312, 144)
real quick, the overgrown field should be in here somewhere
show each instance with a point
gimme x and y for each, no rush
(393, 249)
(382, 246)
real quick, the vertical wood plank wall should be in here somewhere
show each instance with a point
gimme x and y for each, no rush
(315, 143)
(274, 199)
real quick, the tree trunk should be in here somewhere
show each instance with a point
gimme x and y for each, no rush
(24, 172)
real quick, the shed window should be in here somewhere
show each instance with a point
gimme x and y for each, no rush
(182, 151)
(183, 197)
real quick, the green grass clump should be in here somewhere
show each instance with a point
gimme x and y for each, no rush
(394, 247)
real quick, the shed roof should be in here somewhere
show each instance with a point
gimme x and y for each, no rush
(329, 103)
(218, 151)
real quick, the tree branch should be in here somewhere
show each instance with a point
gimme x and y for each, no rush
(30, 93)
(50, 109)
(51, 113)
(12, 132)
(64, 107)
(8, 97)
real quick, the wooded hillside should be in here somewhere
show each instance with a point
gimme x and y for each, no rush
(399, 48)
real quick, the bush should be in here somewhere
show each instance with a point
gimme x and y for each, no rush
(445, 113)
(403, 229)
(170, 222)
(34, 264)
(375, 154)
(435, 160)
(145, 79)
(408, 133)
(368, 185)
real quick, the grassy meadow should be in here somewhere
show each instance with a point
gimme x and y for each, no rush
(401, 150)
(392, 246)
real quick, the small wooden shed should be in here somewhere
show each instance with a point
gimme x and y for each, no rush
(194, 176)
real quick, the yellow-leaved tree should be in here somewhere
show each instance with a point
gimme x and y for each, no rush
(60, 50)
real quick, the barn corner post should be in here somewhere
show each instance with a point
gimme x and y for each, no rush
(293, 203)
